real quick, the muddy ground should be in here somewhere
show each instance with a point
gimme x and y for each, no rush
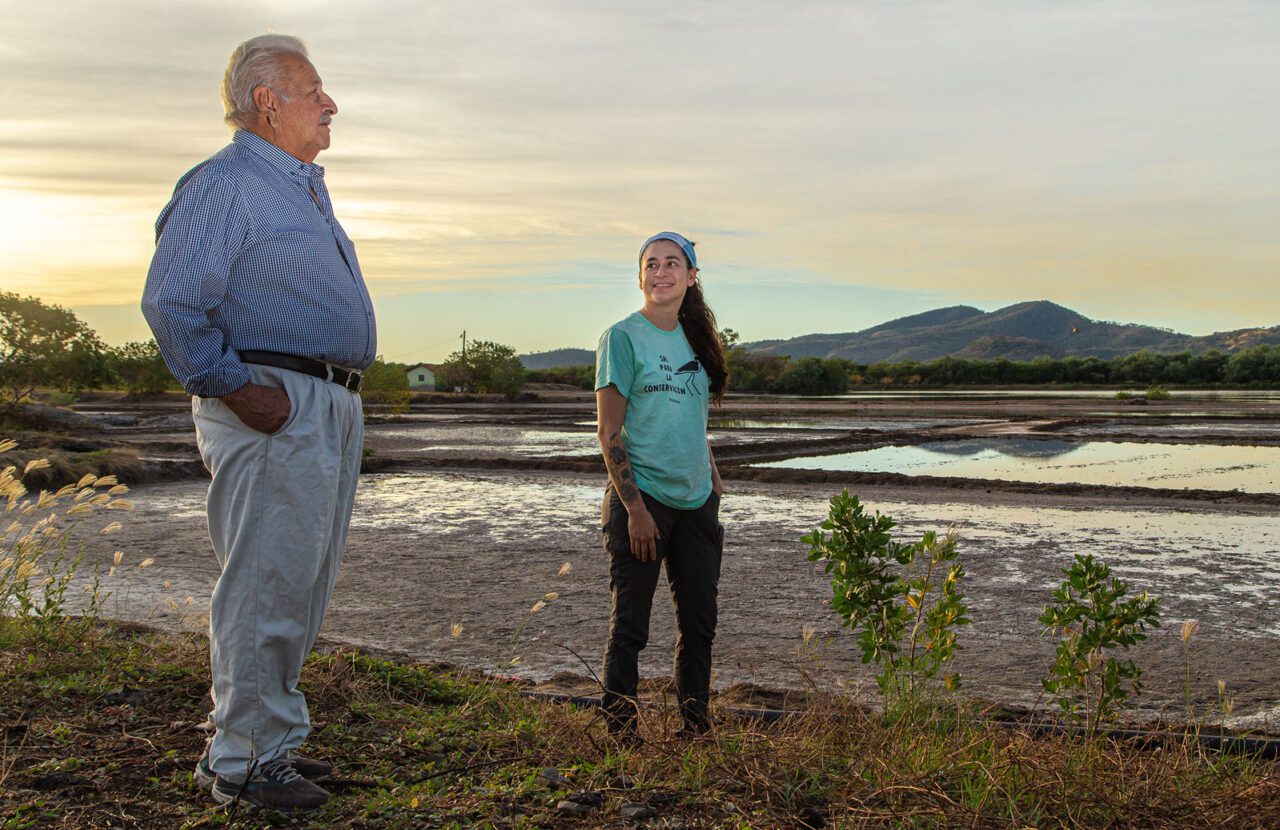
(472, 526)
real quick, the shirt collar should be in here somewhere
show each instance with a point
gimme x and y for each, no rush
(276, 157)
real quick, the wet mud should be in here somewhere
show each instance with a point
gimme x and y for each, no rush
(462, 519)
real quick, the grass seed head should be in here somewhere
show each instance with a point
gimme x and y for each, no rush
(36, 464)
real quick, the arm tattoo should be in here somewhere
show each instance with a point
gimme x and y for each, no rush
(619, 465)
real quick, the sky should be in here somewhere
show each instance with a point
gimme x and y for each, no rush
(839, 164)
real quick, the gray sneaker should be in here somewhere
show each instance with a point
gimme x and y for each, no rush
(312, 769)
(275, 786)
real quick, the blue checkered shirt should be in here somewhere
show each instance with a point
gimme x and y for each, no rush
(246, 258)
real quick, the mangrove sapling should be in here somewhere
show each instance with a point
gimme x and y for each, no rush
(1094, 619)
(903, 599)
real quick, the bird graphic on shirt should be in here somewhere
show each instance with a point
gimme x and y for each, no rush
(691, 369)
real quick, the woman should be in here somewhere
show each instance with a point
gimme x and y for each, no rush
(656, 373)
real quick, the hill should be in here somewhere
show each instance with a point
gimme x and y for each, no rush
(1018, 332)
(557, 358)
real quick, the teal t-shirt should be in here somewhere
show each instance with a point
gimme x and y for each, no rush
(665, 428)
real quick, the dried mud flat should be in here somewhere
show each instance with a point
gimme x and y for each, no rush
(475, 536)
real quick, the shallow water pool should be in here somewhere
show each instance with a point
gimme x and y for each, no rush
(1195, 466)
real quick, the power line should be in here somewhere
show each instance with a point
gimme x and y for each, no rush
(421, 348)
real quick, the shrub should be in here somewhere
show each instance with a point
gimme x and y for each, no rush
(1156, 392)
(1090, 686)
(386, 385)
(140, 368)
(907, 620)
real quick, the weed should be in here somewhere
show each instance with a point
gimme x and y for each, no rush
(1156, 392)
(518, 636)
(36, 566)
(1090, 686)
(1189, 629)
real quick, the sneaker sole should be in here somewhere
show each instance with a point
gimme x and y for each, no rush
(224, 799)
(204, 780)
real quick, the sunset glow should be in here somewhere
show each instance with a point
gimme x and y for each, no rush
(839, 164)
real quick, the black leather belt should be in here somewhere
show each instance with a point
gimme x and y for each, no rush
(346, 378)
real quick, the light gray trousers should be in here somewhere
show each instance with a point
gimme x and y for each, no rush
(278, 506)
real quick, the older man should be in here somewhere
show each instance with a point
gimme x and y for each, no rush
(259, 307)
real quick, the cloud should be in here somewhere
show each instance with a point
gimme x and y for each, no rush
(1086, 152)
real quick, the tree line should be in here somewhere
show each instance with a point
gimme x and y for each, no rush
(44, 345)
(1258, 366)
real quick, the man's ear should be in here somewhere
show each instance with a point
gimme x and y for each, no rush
(265, 100)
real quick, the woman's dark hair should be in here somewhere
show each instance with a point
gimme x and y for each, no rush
(699, 325)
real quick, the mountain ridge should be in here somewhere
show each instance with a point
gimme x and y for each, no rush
(1021, 331)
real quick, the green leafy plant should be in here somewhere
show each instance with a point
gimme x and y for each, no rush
(1156, 392)
(903, 599)
(1093, 618)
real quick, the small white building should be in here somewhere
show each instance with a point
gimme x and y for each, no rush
(422, 378)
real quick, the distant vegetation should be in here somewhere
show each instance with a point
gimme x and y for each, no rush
(484, 367)
(761, 372)
(754, 372)
(583, 377)
(46, 346)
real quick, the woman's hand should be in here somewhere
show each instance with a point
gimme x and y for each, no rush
(643, 531)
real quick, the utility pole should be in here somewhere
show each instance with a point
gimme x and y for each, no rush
(464, 345)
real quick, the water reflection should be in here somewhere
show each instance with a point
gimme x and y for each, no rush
(1247, 469)
(481, 440)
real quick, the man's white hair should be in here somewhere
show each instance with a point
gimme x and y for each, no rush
(255, 63)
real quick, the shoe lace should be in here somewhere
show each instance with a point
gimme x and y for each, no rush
(281, 770)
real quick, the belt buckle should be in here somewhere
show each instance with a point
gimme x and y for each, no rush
(354, 382)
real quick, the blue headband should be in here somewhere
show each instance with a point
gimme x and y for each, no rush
(672, 236)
